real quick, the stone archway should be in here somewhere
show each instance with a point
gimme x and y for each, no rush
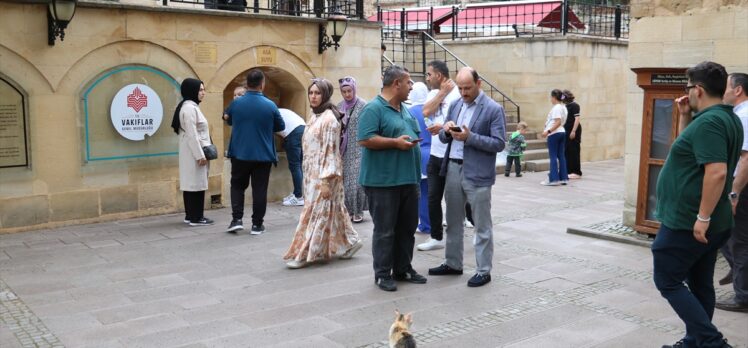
(286, 91)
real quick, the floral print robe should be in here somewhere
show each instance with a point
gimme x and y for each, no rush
(324, 227)
(355, 196)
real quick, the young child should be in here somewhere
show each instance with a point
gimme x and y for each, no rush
(238, 92)
(516, 148)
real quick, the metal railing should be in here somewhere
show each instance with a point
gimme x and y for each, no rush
(302, 8)
(416, 49)
(544, 17)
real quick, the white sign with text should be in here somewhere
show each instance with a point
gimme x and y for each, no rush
(136, 111)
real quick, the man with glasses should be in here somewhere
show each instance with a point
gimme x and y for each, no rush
(390, 174)
(736, 249)
(693, 204)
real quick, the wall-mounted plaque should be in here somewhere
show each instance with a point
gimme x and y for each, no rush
(206, 53)
(124, 109)
(136, 111)
(669, 79)
(13, 149)
(266, 56)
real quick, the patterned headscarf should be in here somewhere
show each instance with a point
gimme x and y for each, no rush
(348, 81)
(325, 87)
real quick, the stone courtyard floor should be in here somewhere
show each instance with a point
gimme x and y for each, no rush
(155, 282)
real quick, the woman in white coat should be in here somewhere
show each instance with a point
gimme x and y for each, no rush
(192, 127)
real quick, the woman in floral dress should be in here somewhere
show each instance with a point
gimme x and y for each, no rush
(351, 106)
(324, 227)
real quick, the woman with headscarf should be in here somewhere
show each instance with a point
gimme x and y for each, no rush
(417, 98)
(350, 107)
(324, 227)
(192, 127)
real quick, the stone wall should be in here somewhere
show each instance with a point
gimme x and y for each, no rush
(677, 34)
(527, 69)
(60, 187)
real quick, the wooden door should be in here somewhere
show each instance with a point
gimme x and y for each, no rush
(659, 130)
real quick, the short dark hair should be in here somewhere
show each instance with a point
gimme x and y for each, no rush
(558, 94)
(392, 73)
(739, 79)
(440, 66)
(384, 47)
(712, 77)
(255, 78)
(475, 75)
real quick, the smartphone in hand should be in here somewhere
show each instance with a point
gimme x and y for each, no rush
(416, 140)
(455, 129)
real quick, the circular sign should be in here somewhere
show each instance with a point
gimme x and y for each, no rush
(136, 111)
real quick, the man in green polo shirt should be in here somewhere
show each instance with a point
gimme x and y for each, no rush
(390, 174)
(693, 204)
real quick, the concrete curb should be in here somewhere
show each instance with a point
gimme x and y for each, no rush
(581, 231)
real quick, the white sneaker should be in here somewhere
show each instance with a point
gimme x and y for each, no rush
(293, 264)
(291, 195)
(551, 183)
(467, 224)
(431, 244)
(293, 201)
(351, 251)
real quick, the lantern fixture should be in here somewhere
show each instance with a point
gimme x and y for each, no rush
(59, 15)
(335, 27)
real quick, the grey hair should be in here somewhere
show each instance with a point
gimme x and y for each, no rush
(392, 73)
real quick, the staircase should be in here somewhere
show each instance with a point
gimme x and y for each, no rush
(413, 50)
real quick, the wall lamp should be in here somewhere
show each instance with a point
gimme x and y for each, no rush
(336, 25)
(59, 14)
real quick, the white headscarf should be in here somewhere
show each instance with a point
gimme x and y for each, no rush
(418, 94)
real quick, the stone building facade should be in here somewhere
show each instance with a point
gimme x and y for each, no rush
(677, 34)
(78, 169)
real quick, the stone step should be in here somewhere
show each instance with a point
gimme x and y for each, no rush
(531, 155)
(540, 165)
(536, 144)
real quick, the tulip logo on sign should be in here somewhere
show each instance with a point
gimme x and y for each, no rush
(136, 111)
(137, 100)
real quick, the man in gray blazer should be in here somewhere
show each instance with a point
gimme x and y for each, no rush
(475, 128)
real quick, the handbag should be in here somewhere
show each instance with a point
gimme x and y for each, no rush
(210, 152)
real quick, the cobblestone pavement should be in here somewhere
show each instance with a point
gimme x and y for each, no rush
(155, 282)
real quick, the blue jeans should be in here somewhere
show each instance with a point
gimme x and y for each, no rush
(557, 152)
(295, 156)
(424, 224)
(678, 257)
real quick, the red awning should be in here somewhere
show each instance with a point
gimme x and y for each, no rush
(545, 14)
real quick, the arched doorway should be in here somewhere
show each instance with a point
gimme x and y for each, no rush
(286, 91)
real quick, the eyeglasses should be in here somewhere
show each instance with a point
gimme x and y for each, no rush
(346, 79)
(688, 88)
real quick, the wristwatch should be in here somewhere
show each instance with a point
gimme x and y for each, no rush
(732, 195)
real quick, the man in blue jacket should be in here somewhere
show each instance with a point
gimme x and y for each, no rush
(475, 128)
(254, 119)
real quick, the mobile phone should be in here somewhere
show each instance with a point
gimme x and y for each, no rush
(416, 140)
(455, 129)
(428, 122)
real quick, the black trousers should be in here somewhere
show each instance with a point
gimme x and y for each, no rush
(573, 149)
(394, 212)
(435, 195)
(242, 172)
(508, 167)
(736, 250)
(194, 205)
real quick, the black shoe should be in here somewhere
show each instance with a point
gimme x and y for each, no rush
(519, 175)
(235, 226)
(679, 344)
(727, 279)
(506, 175)
(411, 277)
(725, 344)
(386, 283)
(479, 280)
(202, 222)
(257, 230)
(443, 269)
(732, 305)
